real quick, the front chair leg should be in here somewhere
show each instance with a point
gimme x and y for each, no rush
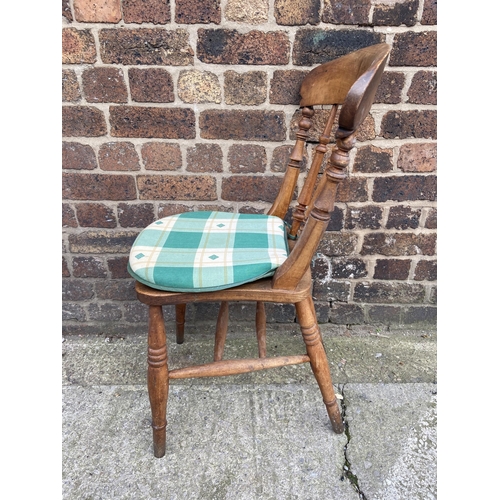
(157, 378)
(319, 363)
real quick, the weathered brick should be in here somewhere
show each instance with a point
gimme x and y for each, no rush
(78, 156)
(338, 244)
(352, 189)
(78, 46)
(317, 45)
(399, 244)
(391, 269)
(118, 156)
(195, 86)
(415, 123)
(247, 11)
(122, 290)
(396, 14)
(346, 314)
(248, 88)
(136, 312)
(102, 242)
(331, 290)
(365, 217)
(403, 217)
(423, 89)
(70, 87)
(95, 215)
(83, 121)
(140, 215)
(104, 312)
(285, 86)
(197, 11)
(348, 268)
(414, 48)
(146, 11)
(66, 10)
(224, 46)
(372, 159)
(385, 315)
(433, 295)
(336, 222)
(204, 158)
(177, 187)
(88, 267)
(388, 293)
(155, 46)
(390, 88)
(426, 270)
(253, 125)
(97, 11)
(161, 156)
(250, 188)
(77, 290)
(346, 12)
(98, 187)
(164, 210)
(297, 12)
(151, 85)
(429, 14)
(74, 312)
(421, 157)
(68, 216)
(149, 122)
(405, 188)
(281, 157)
(118, 267)
(247, 158)
(424, 314)
(431, 220)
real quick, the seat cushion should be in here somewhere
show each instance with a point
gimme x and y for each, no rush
(207, 251)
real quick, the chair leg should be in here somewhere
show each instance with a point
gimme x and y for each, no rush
(260, 324)
(312, 337)
(221, 330)
(158, 378)
(180, 318)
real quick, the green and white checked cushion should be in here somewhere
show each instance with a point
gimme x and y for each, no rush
(206, 251)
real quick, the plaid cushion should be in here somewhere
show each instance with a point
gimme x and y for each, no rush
(206, 251)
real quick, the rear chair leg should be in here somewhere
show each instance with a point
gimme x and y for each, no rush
(319, 363)
(157, 378)
(180, 318)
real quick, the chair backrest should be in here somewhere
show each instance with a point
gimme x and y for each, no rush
(350, 82)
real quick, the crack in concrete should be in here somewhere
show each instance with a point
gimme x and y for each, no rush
(353, 479)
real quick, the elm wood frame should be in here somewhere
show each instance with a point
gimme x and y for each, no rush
(351, 82)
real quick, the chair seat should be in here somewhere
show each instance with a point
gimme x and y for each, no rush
(208, 251)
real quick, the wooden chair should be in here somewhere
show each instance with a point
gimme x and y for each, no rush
(165, 258)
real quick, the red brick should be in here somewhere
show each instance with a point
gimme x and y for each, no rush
(151, 85)
(65, 269)
(83, 121)
(403, 217)
(204, 158)
(399, 244)
(425, 315)
(98, 187)
(122, 290)
(405, 188)
(223, 46)
(118, 267)
(396, 14)
(426, 270)
(421, 157)
(281, 157)
(406, 124)
(346, 314)
(365, 217)
(70, 87)
(423, 89)
(348, 268)
(431, 220)
(78, 46)
(413, 48)
(285, 86)
(66, 10)
(104, 85)
(390, 88)
(95, 215)
(250, 188)
(372, 159)
(392, 269)
(155, 46)
(118, 156)
(77, 290)
(140, 215)
(177, 187)
(78, 156)
(165, 210)
(253, 125)
(243, 158)
(346, 12)
(97, 11)
(248, 88)
(388, 293)
(297, 12)
(107, 312)
(88, 267)
(429, 14)
(102, 242)
(146, 11)
(163, 123)
(352, 189)
(197, 11)
(68, 216)
(161, 156)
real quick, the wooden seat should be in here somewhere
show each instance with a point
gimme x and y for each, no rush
(347, 84)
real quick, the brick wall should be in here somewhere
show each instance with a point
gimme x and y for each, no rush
(175, 105)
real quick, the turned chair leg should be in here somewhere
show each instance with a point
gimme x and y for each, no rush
(221, 331)
(312, 337)
(157, 378)
(180, 319)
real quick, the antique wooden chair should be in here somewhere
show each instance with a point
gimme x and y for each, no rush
(223, 257)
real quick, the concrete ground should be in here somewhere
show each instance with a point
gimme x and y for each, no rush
(255, 436)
